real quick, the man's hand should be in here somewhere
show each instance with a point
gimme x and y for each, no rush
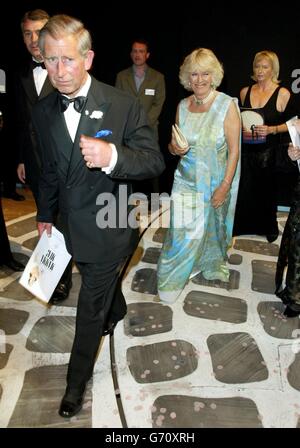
(96, 152)
(21, 172)
(44, 226)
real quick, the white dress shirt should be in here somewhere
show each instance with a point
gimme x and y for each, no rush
(39, 76)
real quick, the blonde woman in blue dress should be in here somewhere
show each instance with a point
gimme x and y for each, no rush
(205, 182)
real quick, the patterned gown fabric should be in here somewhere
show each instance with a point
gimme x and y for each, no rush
(199, 235)
(256, 204)
(289, 255)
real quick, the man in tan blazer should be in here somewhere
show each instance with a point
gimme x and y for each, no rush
(148, 85)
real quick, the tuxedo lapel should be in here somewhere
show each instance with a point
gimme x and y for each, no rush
(60, 134)
(88, 126)
(29, 87)
(131, 81)
(46, 89)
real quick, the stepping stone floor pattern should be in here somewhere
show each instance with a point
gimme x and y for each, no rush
(222, 356)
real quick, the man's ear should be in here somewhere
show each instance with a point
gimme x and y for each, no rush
(89, 59)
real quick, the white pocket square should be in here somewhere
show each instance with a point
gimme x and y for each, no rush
(96, 114)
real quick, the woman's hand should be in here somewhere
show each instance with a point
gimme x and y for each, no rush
(177, 150)
(293, 152)
(219, 195)
(262, 130)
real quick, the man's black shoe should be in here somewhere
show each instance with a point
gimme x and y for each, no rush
(69, 407)
(272, 237)
(61, 293)
(109, 328)
(14, 265)
(13, 195)
(288, 312)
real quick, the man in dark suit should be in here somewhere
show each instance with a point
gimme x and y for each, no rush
(148, 85)
(93, 141)
(8, 151)
(33, 84)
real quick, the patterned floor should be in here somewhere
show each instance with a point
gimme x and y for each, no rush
(221, 356)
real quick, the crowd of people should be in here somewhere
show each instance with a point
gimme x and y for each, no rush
(223, 185)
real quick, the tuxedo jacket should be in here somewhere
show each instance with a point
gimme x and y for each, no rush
(84, 196)
(152, 92)
(26, 97)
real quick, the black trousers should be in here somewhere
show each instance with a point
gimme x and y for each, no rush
(100, 299)
(5, 252)
(289, 255)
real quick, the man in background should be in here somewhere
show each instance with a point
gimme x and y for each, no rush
(33, 84)
(148, 85)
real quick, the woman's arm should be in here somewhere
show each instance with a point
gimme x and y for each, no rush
(232, 129)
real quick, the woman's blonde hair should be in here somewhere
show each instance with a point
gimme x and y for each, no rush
(62, 25)
(273, 59)
(201, 59)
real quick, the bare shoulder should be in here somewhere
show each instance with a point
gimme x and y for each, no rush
(243, 93)
(284, 93)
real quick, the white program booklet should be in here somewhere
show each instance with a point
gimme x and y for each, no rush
(46, 265)
(295, 137)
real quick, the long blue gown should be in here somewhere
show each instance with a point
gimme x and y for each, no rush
(199, 235)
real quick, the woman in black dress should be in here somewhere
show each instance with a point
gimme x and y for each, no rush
(256, 204)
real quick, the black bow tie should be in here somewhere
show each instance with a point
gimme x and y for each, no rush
(79, 103)
(37, 64)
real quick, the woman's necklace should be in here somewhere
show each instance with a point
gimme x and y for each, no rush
(205, 99)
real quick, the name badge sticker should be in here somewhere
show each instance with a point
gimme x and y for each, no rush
(150, 92)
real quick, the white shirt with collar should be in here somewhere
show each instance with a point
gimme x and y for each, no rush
(72, 118)
(39, 77)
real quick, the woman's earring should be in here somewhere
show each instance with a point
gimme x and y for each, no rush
(212, 85)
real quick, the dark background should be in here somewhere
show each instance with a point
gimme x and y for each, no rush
(234, 33)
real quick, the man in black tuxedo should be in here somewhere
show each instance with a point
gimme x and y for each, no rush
(93, 139)
(33, 84)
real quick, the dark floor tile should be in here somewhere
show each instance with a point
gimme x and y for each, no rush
(257, 247)
(52, 334)
(12, 320)
(160, 235)
(180, 411)
(233, 283)
(145, 319)
(38, 403)
(235, 259)
(263, 276)
(293, 375)
(5, 271)
(31, 242)
(236, 358)
(162, 361)
(275, 323)
(22, 227)
(151, 255)
(16, 292)
(215, 307)
(5, 351)
(144, 281)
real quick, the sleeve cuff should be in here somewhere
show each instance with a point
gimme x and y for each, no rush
(113, 161)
